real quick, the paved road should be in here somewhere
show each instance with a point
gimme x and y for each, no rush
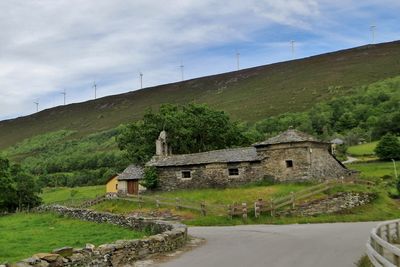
(306, 245)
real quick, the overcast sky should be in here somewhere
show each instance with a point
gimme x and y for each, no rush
(48, 46)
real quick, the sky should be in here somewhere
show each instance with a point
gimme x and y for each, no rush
(50, 46)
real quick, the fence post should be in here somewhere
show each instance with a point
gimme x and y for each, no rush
(272, 208)
(398, 230)
(293, 199)
(257, 208)
(157, 203)
(177, 203)
(203, 209)
(396, 260)
(230, 211)
(140, 202)
(244, 210)
(388, 236)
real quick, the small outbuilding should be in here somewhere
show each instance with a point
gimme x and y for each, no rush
(112, 184)
(128, 180)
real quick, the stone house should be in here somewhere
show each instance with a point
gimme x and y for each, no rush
(290, 156)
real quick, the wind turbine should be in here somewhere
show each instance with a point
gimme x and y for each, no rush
(182, 71)
(372, 28)
(237, 60)
(65, 95)
(37, 105)
(292, 44)
(141, 80)
(95, 89)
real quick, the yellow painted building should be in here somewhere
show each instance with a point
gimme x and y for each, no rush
(112, 184)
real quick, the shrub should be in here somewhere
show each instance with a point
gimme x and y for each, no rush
(150, 179)
(388, 148)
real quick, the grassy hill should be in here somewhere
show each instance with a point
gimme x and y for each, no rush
(249, 95)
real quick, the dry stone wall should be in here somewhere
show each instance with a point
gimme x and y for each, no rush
(339, 203)
(168, 237)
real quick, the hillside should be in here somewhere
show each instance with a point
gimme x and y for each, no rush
(249, 95)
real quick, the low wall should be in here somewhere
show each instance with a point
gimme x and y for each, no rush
(168, 237)
(339, 203)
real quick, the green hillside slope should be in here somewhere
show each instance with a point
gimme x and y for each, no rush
(249, 94)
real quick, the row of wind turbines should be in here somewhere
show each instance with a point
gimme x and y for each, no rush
(372, 29)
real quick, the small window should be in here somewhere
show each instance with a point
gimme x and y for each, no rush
(233, 171)
(116, 187)
(289, 164)
(186, 175)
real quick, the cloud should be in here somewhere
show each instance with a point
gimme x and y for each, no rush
(47, 46)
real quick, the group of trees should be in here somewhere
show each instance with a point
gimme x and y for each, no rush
(366, 115)
(18, 189)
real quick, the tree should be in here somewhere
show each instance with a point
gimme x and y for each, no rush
(17, 188)
(191, 128)
(388, 147)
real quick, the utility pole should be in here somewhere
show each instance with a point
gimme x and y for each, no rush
(37, 105)
(237, 60)
(182, 70)
(395, 169)
(65, 94)
(141, 80)
(372, 28)
(95, 89)
(292, 44)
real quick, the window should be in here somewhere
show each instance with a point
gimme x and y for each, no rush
(186, 175)
(289, 164)
(116, 187)
(233, 171)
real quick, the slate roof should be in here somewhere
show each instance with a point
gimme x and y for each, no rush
(289, 136)
(132, 172)
(337, 141)
(242, 154)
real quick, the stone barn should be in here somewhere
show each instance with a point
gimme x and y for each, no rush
(290, 156)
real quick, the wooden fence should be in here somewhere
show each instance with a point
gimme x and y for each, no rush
(383, 247)
(177, 203)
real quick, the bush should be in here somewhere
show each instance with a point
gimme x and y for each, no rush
(150, 179)
(388, 148)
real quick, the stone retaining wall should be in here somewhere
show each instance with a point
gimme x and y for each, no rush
(338, 203)
(168, 237)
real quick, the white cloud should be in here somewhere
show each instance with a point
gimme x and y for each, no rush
(49, 45)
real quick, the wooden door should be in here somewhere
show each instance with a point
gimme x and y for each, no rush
(133, 187)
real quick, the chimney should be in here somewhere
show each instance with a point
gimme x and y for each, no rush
(162, 145)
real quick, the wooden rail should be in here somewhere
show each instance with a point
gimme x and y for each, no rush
(178, 203)
(383, 248)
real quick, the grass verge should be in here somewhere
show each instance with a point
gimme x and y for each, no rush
(25, 234)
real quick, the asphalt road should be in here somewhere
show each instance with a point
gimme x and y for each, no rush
(305, 245)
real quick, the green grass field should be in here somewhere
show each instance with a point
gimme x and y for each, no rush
(376, 169)
(72, 195)
(22, 235)
(363, 149)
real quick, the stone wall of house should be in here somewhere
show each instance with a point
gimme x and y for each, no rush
(214, 175)
(168, 237)
(311, 161)
(324, 165)
(338, 203)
